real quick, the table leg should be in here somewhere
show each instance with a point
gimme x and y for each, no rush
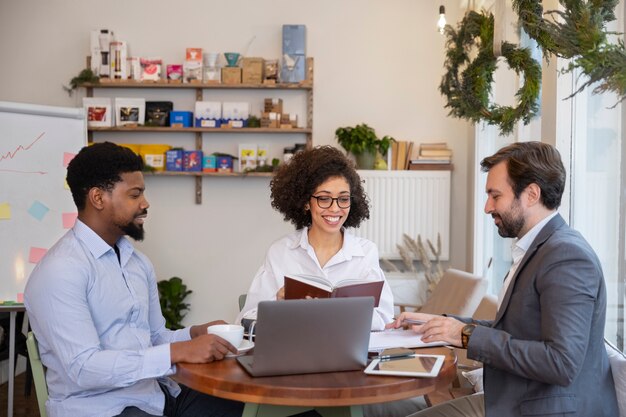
(267, 410)
(348, 411)
(12, 315)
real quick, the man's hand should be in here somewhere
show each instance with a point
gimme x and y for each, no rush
(200, 329)
(201, 349)
(442, 328)
(436, 328)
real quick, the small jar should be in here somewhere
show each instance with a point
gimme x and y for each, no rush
(287, 154)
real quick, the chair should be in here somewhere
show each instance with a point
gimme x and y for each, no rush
(242, 301)
(39, 373)
(617, 360)
(486, 310)
(458, 293)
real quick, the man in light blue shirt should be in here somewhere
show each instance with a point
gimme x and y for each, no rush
(94, 307)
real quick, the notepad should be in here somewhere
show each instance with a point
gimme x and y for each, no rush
(398, 338)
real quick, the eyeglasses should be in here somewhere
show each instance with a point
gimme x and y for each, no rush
(325, 202)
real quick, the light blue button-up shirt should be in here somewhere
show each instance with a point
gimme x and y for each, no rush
(100, 329)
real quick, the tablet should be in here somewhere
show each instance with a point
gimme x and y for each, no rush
(412, 365)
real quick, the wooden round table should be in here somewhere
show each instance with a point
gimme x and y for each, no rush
(338, 393)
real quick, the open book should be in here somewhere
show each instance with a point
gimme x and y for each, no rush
(301, 286)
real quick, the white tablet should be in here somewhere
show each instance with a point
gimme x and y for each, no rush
(413, 365)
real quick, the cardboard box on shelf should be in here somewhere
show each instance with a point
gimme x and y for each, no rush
(224, 164)
(231, 75)
(209, 163)
(174, 160)
(208, 113)
(252, 70)
(294, 39)
(273, 105)
(99, 111)
(247, 156)
(154, 155)
(192, 161)
(181, 119)
(270, 120)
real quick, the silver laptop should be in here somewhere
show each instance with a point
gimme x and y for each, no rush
(310, 336)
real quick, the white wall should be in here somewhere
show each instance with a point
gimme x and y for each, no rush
(376, 61)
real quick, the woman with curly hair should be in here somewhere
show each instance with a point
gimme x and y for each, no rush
(320, 192)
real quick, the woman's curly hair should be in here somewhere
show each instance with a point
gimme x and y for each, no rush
(295, 182)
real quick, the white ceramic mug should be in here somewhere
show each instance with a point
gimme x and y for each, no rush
(233, 333)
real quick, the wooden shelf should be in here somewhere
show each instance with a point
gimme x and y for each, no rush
(146, 84)
(208, 174)
(200, 129)
(199, 91)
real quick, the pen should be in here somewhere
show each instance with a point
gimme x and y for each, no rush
(395, 357)
(411, 321)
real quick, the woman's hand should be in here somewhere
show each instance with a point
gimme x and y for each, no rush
(280, 294)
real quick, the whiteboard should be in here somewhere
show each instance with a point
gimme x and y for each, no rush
(36, 207)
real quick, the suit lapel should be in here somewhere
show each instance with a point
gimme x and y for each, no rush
(556, 223)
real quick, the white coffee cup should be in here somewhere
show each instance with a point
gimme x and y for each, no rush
(233, 333)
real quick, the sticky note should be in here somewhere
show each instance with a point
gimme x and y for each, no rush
(38, 210)
(20, 297)
(36, 254)
(69, 219)
(5, 211)
(67, 157)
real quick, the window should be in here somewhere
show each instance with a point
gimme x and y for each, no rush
(590, 137)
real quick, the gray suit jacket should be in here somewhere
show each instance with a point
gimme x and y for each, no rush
(544, 353)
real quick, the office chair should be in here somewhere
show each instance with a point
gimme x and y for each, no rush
(39, 373)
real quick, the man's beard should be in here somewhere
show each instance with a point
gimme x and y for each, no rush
(134, 231)
(512, 222)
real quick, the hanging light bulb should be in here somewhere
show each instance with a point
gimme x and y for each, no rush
(441, 23)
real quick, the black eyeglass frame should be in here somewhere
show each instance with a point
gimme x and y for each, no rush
(332, 199)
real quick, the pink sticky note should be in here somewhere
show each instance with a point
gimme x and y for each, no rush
(69, 219)
(20, 297)
(67, 157)
(36, 254)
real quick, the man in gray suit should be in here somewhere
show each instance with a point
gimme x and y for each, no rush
(544, 353)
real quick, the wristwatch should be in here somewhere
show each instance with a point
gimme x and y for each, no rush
(466, 332)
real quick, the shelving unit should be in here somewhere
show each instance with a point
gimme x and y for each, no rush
(199, 88)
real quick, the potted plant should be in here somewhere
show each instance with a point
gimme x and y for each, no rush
(172, 294)
(362, 142)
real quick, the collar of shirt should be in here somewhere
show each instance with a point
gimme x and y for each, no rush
(349, 249)
(97, 246)
(521, 245)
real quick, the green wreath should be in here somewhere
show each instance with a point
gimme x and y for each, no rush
(578, 33)
(468, 91)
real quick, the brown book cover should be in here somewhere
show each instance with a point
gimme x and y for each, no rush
(431, 167)
(302, 286)
(436, 152)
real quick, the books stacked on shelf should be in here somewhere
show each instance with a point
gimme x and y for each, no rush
(432, 156)
(401, 154)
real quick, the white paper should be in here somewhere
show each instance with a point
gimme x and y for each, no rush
(398, 338)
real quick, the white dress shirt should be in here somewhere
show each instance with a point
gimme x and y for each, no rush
(292, 254)
(518, 250)
(100, 329)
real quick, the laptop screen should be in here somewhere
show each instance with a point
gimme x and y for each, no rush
(311, 336)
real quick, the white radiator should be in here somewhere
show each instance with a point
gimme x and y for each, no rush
(411, 202)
